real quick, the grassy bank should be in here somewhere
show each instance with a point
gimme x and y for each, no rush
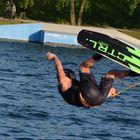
(6, 21)
(135, 34)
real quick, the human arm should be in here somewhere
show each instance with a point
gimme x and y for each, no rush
(62, 79)
(58, 65)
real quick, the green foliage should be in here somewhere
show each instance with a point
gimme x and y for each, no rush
(116, 13)
(133, 5)
(62, 4)
(25, 3)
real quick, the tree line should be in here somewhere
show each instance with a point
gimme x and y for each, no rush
(115, 13)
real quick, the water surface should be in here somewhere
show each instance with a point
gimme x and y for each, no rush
(32, 109)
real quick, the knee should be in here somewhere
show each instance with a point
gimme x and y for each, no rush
(84, 69)
(83, 65)
(111, 74)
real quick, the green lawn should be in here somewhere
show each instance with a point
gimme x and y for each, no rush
(6, 21)
(135, 34)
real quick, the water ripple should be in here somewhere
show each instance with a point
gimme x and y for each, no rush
(32, 109)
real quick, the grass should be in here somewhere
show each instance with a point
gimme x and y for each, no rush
(18, 21)
(135, 34)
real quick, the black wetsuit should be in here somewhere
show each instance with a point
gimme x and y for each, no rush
(91, 92)
(72, 95)
(94, 94)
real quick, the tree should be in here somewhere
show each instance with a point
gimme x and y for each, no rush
(76, 9)
(23, 5)
(82, 6)
(133, 5)
(72, 13)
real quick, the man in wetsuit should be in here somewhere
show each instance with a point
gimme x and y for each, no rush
(85, 92)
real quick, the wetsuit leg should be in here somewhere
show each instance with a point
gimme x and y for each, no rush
(105, 86)
(89, 88)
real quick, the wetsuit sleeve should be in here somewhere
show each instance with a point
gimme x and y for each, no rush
(97, 57)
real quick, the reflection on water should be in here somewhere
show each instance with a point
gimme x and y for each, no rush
(32, 109)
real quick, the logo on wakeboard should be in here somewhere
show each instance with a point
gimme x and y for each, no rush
(104, 48)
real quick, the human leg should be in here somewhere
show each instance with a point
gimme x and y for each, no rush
(89, 88)
(106, 82)
(106, 87)
(85, 65)
(114, 74)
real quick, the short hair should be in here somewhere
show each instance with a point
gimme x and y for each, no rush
(69, 73)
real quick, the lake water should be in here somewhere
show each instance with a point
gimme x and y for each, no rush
(32, 109)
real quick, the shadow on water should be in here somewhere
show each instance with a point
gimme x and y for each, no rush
(32, 109)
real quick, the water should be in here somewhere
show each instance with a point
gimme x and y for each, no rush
(32, 109)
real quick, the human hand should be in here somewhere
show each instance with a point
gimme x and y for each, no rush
(112, 92)
(50, 56)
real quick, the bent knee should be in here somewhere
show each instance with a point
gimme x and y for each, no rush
(84, 69)
(110, 76)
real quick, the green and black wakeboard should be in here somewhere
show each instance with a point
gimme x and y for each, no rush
(114, 49)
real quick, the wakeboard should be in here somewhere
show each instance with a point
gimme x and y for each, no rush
(114, 49)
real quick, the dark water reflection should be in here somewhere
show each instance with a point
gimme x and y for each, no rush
(32, 109)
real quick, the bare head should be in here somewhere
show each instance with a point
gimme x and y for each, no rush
(69, 73)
